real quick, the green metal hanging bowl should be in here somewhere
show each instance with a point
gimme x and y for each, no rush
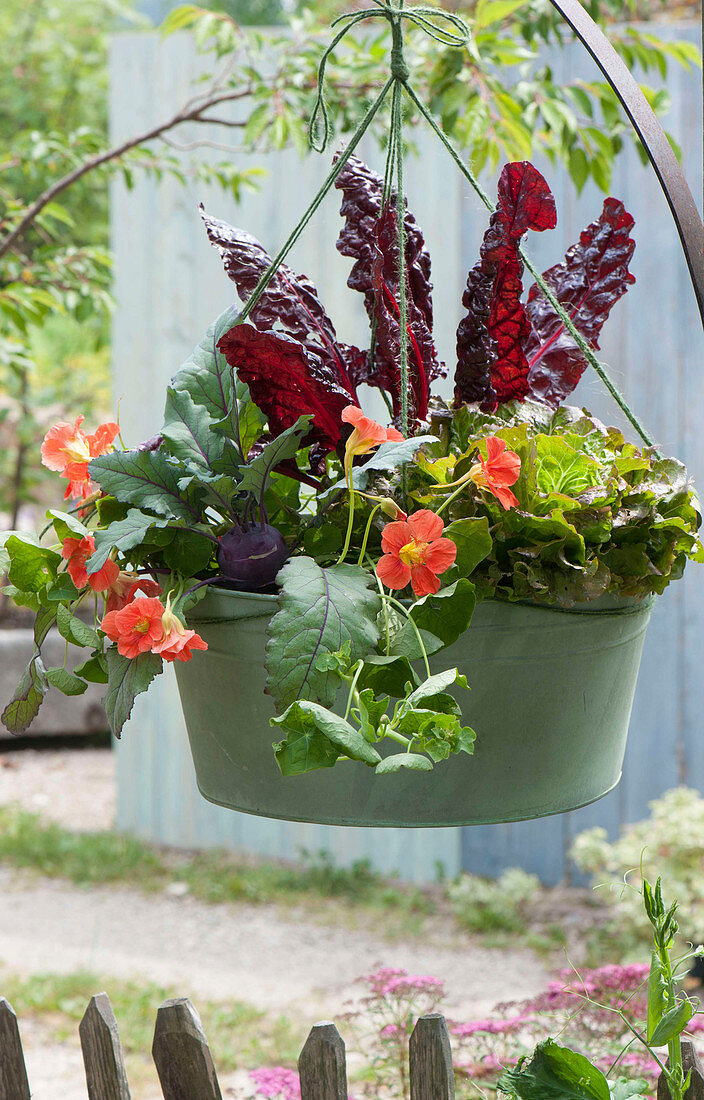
(551, 700)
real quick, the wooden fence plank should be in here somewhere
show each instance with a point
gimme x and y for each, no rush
(13, 1075)
(321, 1066)
(182, 1055)
(431, 1073)
(106, 1076)
(690, 1061)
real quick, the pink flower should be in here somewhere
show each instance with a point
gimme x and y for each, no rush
(68, 450)
(276, 1083)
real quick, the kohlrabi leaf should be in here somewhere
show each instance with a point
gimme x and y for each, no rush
(303, 716)
(65, 681)
(495, 339)
(555, 1073)
(591, 280)
(189, 431)
(123, 534)
(287, 381)
(148, 479)
(256, 474)
(369, 238)
(128, 677)
(388, 457)
(206, 374)
(29, 694)
(320, 610)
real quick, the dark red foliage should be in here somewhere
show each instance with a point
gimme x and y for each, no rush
(287, 380)
(369, 237)
(290, 302)
(492, 365)
(592, 278)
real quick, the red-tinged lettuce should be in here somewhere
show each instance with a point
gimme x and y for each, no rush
(287, 380)
(591, 280)
(369, 237)
(492, 364)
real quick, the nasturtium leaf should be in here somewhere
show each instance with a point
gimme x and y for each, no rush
(473, 541)
(62, 589)
(123, 535)
(189, 431)
(31, 566)
(256, 474)
(94, 670)
(441, 619)
(74, 629)
(148, 479)
(626, 1089)
(188, 553)
(387, 675)
(127, 678)
(65, 681)
(29, 694)
(44, 620)
(320, 610)
(400, 760)
(206, 375)
(66, 525)
(555, 1073)
(305, 715)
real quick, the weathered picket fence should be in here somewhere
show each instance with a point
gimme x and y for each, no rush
(186, 1070)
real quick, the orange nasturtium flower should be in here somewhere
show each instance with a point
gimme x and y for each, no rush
(68, 450)
(76, 552)
(497, 471)
(125, 587)
(146, 625)
(415, 552)
(366, 436)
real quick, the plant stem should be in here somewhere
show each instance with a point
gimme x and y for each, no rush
(368, 528)
(353, 693)
(348, 536)
(399, 605)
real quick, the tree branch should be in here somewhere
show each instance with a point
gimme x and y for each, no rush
(186, 114)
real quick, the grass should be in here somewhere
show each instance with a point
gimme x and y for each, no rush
(88, 859)
(239, 1035)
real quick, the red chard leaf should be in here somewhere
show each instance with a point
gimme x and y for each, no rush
(287, 380)
(369, 237)
(290, 302)
(492, 365)
(591, 280)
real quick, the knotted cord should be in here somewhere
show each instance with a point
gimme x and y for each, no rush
(450, 30)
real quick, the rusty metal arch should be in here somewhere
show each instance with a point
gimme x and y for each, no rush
(667, 168)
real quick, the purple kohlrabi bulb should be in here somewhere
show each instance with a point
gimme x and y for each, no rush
(250, 558)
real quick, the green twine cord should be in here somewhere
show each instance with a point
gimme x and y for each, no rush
(449, 30)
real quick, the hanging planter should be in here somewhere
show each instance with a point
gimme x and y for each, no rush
(335, 585)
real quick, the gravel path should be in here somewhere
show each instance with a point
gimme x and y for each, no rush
(249, 953)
